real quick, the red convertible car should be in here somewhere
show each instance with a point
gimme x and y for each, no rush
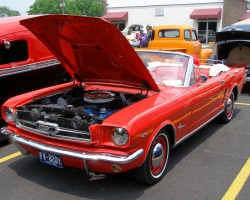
(124, 109)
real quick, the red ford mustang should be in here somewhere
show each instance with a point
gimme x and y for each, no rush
(124, 109)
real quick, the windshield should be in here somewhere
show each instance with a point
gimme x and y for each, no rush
(166, 68)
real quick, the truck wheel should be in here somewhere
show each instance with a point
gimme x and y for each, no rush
(154, 167)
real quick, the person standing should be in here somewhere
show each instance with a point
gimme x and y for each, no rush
(143, 38)
(149, 34)
(130, 37)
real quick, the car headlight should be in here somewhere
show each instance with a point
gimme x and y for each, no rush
(119, 136)
(8, 112)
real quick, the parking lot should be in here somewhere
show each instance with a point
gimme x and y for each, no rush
(212, 164)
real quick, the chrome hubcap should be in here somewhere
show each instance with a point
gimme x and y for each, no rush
(229, 105)
(158, 155)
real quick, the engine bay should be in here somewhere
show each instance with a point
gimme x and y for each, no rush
(74, 109)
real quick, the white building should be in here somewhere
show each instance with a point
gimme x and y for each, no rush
(201, 14)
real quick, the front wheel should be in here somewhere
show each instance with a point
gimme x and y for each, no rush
(154, 167)
(227, 114)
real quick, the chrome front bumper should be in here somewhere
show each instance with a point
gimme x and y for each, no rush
(13, 137)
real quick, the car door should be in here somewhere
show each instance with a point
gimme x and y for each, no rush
(208, 101)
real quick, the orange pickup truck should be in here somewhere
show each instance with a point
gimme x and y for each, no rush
(180, 38)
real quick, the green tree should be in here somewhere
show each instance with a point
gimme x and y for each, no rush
(75, 7)
(6, 12)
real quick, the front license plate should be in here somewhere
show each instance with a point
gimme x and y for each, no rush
(51, 159)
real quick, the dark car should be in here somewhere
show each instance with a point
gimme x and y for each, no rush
(233, 47)
(206, 36)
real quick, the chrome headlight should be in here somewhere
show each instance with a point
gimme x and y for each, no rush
(8, 112)
(119, 136)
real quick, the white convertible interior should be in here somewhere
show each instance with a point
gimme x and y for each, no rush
(211, 70)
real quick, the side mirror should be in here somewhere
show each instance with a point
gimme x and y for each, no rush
(202, 78)
(6, 44)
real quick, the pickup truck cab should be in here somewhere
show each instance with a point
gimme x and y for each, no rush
(180, 38)
(25, 63)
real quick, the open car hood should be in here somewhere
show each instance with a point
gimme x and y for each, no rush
(232, 33)
(91, 49)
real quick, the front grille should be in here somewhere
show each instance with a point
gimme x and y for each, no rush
(53, 126)
(28, 67)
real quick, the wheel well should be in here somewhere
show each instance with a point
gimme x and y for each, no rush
(235, 91)
(169, 129)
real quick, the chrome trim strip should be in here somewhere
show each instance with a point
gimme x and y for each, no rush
(73, 131)
(81, 155)
(193, 132)
(54, 135)
(29, 67)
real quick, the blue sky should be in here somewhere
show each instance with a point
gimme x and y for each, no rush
(20, 5)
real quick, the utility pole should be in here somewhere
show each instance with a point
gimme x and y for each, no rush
(62, 4)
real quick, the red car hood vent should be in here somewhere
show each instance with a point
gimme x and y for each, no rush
(91, 49)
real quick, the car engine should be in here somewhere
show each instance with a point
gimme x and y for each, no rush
(70, 113)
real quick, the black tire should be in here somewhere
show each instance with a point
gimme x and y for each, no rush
(154, 167)
(227, 114)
